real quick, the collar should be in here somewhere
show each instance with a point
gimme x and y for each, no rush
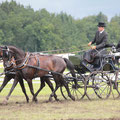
(24, 63)
(101, 31)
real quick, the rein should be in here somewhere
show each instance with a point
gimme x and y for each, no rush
(9, 69)
(65, 76)
(11, 64)
(25, 64)
(35, 67)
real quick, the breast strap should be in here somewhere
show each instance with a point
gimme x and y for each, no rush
(23, 65)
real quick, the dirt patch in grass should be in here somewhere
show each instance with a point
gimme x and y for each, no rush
(18, 109)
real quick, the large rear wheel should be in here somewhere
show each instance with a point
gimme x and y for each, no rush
(114, 76)
(98, 85)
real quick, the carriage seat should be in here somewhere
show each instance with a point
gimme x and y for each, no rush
(90, 56)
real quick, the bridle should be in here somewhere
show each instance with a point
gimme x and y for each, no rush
(12, 62)
(22, 65)
(7, 69)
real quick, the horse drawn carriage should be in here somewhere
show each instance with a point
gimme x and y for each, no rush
(101, 81)
(88, 81)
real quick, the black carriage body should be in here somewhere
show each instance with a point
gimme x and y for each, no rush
(106, 63)
(77, 61)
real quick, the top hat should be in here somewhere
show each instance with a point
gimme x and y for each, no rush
(101, 24)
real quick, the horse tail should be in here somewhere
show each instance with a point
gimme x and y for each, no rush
(70, 66)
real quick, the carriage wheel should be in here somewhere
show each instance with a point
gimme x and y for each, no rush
(98, 85)
(76, 91)
(118, 82)
(117, 62)
(114, 76)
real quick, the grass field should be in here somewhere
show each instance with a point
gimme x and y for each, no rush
(18, 109)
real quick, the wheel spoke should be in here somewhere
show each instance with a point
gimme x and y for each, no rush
(76, 90)
(101, 85)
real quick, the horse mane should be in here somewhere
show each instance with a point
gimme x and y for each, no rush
(16, 50)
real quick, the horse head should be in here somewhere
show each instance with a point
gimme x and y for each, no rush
(6, 56)
(4, 50)
(14, 52)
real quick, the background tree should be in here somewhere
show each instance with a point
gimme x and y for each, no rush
(41, 31)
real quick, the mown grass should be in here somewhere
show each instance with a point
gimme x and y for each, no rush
(18, 109)
(1, 70)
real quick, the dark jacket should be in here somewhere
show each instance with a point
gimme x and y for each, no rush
(100, 40)
(118, 45)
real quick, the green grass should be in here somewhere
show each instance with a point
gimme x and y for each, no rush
(1, 70)
(18, 109)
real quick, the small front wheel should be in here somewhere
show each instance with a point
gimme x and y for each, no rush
(78, 91)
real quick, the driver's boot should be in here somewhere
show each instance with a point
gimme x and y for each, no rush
(84, 63)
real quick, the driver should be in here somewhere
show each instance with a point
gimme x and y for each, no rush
(100, 37)
(100, 41)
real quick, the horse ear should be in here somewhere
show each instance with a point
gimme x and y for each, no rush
(5, 52)
(6, 47)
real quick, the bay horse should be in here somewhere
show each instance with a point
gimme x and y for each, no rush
(10, 73)
(28, 64)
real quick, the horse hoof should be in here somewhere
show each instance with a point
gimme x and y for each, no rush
(5, 102)
(50, 99)
(27, 101)
(57, 99)
(73, 98)
(35, 100)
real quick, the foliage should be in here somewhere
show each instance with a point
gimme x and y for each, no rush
(41, 31)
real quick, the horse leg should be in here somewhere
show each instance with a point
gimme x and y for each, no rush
(29, 81)
(63, 82)
(51, 87)
(53, 93)
(43, 80)
(23, 88)
(6, 80)
(68, 91)
(73, 75)
(11, 90)
(56, 78)
(41, 87)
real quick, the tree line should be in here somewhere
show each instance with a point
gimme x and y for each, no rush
(41, 31)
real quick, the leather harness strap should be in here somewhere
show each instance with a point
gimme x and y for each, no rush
(11, 64)
(23, 65)
(38, 64)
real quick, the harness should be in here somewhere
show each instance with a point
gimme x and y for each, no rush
(25, 62)
(11, 64)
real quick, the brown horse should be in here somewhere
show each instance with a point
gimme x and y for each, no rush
(10, 74)
(16, 75)
(35, 65)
